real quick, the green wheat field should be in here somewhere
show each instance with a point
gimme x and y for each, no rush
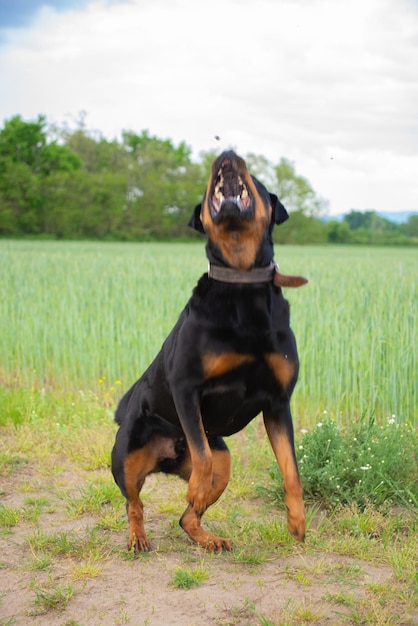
(79, 323)
(89, 317)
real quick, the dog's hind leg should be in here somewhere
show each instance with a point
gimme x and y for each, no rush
(280, 432)
(191, 518)
(138, 464)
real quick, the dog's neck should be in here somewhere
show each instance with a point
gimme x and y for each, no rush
(232, 275)
(239, 256)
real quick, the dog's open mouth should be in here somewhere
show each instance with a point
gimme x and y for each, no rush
(230, 195)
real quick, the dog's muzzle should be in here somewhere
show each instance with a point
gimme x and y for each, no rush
(230, 196)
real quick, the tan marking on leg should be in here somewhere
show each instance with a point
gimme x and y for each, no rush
(283, 369)
(191, 518)
(138, 464)
(292, 483)
(200, 481)
(218, 364)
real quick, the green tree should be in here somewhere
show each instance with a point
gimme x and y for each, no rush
(339, 232)
(163, 186)
(295, 191)
(97, 154)
(411, 227)
(27, 143)
(301, 229)
(26, 160)
(369, 220)
(263, 170)
(84, 204)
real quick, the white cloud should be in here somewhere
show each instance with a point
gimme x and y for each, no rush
(329, 85)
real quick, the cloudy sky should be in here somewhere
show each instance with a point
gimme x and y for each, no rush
(331, 85)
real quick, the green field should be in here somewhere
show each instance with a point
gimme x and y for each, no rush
(80, 322)
(90, 316)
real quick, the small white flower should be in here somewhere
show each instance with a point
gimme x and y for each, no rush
(304, 431)
(319, 424)
(365, 467)
(300, 447)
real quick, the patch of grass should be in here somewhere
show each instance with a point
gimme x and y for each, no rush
(250, 556)
(9, 463)
(299, 612)
(372, 611)
(40, 561)
(86, 570)
(9, 516)
(307, 612)
(187, 578)
(94, 497)
(55, 598)
(71, 544)
(112, 519)
(9, 622)
(244, 613)
(341, 597)
(363, 463)
(12, 516)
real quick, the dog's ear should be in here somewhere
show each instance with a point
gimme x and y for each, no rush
(280, 214)
(195, 221)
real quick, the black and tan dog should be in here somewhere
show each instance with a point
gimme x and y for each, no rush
(230, 356)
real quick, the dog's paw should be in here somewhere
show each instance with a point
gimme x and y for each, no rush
(213, 543)
(139, 543)
(297, 526)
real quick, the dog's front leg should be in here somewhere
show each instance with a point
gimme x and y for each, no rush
(207, 472)
(278, 423)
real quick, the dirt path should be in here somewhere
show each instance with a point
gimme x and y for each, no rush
(302, 587)
(63, 561)
(140, 591)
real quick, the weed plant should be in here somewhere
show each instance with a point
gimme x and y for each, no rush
(187, 578)
(362, 463)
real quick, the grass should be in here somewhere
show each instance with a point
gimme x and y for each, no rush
(54, 598)
(187, 577)
(362, 463)
(89, 317)
(74, 337)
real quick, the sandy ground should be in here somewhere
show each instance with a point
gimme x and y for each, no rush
(290, 588)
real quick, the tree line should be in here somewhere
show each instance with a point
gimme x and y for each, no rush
(73, 184)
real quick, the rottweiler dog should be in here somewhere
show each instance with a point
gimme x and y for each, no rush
(230, 357)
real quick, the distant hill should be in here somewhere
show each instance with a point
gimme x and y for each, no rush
(397, 217)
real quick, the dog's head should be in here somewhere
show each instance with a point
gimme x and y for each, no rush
(238, 214)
